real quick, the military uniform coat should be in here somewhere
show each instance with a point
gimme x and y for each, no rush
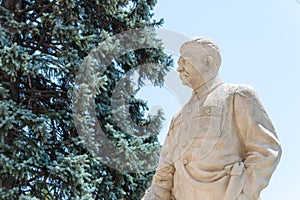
(221, 146)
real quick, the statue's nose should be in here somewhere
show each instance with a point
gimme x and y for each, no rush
(180, 69)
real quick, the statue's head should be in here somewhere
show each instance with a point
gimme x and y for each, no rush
(199, 61)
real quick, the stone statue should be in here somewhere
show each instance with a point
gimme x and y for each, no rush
(221, 145)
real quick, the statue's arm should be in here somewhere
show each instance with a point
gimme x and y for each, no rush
(162, 183)
(260, 143)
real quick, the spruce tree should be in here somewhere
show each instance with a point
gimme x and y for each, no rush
(44, 46)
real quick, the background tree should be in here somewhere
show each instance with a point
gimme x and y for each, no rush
(42, 46)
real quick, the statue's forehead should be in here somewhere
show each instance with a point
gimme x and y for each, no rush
(183, 60)
(193, 54)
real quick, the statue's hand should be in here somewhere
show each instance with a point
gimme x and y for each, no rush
(242, 196)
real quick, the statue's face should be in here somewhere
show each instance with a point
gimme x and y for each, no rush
(188, 74)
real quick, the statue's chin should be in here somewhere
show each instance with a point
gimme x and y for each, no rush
(185, 83)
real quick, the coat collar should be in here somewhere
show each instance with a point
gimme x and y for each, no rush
(208, 87)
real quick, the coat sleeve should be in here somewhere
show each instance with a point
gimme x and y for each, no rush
(162, 183)
(260, 143)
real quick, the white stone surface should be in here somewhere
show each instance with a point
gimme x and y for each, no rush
(221, 145)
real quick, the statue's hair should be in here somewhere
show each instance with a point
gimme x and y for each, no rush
(204, 43)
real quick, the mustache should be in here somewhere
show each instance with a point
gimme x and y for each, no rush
(185, 73)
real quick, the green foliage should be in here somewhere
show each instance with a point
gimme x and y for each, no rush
(42, 46)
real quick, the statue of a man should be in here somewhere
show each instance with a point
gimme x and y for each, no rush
(221, 145)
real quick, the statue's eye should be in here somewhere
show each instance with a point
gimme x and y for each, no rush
(181, 61)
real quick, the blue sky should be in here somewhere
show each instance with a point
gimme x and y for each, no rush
(260, 43)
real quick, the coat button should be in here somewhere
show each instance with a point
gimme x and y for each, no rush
(185, 127)
(185, 161)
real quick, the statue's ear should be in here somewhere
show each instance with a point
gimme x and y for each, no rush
(208, 62)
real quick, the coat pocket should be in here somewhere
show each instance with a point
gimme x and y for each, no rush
(209, 119)
(208, 129)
